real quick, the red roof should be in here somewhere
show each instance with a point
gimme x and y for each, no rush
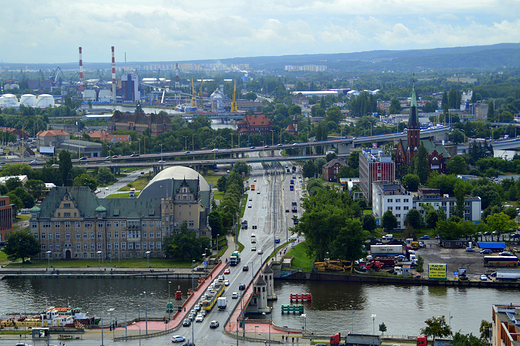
(52, 133)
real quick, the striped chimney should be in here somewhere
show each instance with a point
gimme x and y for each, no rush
(114, 96)
(81, 80)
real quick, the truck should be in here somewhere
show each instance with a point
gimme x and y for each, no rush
(386, 249)
(221, 303)
(415, 245)
(508, 275)
(244, 224)
(252, 187)
(234, 259)
(423, 341)
(355, 339)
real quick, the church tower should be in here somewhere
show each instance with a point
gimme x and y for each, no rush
(414, 130)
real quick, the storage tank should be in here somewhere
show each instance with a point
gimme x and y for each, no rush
(89, 95)
(45, 101)
(9, 100)
(105, 95)
(28, 100)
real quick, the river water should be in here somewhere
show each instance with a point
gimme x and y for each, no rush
(335, 307)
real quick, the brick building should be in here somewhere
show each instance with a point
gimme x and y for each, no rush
(255, 124)
(6, 217)
(330, 170)
(374, 165)
(157, 123)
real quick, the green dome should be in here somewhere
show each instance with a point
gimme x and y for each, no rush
(101, 209)
(35, 209)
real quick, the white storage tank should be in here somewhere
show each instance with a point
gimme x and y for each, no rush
(45, 101)
(28, 100)
(9, 100)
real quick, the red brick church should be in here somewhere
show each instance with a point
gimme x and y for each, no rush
(406, 150)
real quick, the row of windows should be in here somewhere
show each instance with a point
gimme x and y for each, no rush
(99, 235)
(399, 208)
(99, 246)
(109, 224)
(398, 200)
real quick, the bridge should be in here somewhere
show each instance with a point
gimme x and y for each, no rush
(507, 144)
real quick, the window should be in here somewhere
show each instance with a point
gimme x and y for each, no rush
(151, 234)
(67, 224)
(150, 223)
(390, 200)
(92, 235)
(109, 246)
(158, 234)
(99, 235)
(123, 246)
(116, 234)
(389, 208)
(406, 208)
(398, 200)
(43, 246)
(144, 246)
(57, 235)
(397, 215)
(99, 247)
(397, 208)
(59, 214)
(151, 245)
(109, 224)
(405, 200)
(92, 246)
(57, 246)
(109, 235)
(78, 246)
(144, 234)
(143, 224)
(157, 223)
(35, 235)
(34, 224)
(130, 246)
(66, 205)
(78, 223)
(116, 246)
(66, 214)
(50, 235)
(116, 224)
(46, 225)
(85, 236)
(158, 245)
(88, 224)
(191, 223)
(85, 246)
(123, 234)
(123, 224)
(67, 235)
(100, 224)
(51, 246)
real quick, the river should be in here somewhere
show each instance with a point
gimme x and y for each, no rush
(335, 307)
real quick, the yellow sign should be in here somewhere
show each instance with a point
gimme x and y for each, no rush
(437, 271)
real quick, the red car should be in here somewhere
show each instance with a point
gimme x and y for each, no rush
(227, 271)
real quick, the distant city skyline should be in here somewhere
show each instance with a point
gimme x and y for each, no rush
(156, 30)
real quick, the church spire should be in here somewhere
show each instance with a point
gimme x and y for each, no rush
(413, 121)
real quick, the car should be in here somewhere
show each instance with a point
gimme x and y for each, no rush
(253, 241)
(213, 324)
(203, 313)
(257, 192)
(249, 206)
(286, 210)
(425, 237)
(253, 248)
(197, 307)
(199, 318)
(260, 252)
(84, 158)
(134, 155)
(115, 156)
(242, 287)
(485, 252)
(250, 199)
(252, 147)
(470, 249)
(245, 268)
(162, 161)
(234, 295)
(505, 253)
(266, 146)
(226, 282)
(483, 278)
(191, 317)
(294, 144)
(254, 180)
(178, 338)
(187, 152)
(186, 322)
(277, 240)
(278, 145)
(34, 162)
(55, 165)
(227, 271)
(215, 150)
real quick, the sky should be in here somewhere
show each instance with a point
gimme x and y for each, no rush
(35, 31)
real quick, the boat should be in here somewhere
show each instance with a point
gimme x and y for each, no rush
(66, 317)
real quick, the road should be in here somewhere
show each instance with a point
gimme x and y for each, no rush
(120, 183)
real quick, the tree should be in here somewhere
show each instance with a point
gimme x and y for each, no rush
(500, 223)
(35, 188)
(459, 198)
(414, 219)
(85, 180)
(389, 220)
(104, 175)
(331, 156)
(457, 165)
(436, 327)
(395, 107)
(419, 265)
(369, 222)
(431, 218)
(319, 164)
(382, 327)
(215, 222)
(485, 327)
(13, 183)
(334, 114)
(411, 182)
(467, 340)
(65, 163)
(221, 183)
(488, 195)
(21, 244)
(422, 168)
(184, 244)
(241, 167)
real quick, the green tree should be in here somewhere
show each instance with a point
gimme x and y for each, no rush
(319, 164)
(457, 165)
(422, 168)
(35, 188)
(331, 156)
(241, 167)
(369, 222)
(27, 199)
(459, 199)
(500, 223)
(395, 107)
(414, 219)
(21, 244)
(411, 182)
(85, 180)
(436, 327)
(467, 340)
(65, 163)
(105, 176)
(334, 114)
(431, 218)
(488, 194)
(184, 244)
(215, 222)
(389, 220)
(382, 327)
(419, 266)
(485, 328)
(221, 183)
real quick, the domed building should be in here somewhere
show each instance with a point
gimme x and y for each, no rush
(185, 196)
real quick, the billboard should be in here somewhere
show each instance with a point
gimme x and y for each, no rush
(437, 271)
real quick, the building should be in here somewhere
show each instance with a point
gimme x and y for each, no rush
(406, 150)
(105, 136)
(130, 88)
(293, 128)
(255, 124)
(391, 195)
(17, 132)
(505, 329)
(330, 170)
(46, 141)
(374, 165)
(83, 148)
(73, 223)
(157, 123)
(6, 218)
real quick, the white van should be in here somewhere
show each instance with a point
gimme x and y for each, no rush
(388, 237)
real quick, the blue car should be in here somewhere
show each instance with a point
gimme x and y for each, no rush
(277, 240)
(425, 237)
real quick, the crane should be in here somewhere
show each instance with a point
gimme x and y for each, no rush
(234, 102)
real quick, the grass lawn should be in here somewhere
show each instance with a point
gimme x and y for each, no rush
(212, 178)
(218, 195)
(138, 184)
(243, 206)
(23, 217)
(124, 263)
(301, 260)
(122, 195)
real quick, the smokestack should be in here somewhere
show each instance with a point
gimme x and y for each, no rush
(114, 96)
(81, 80)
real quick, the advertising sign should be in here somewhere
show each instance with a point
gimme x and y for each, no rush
(437, 271)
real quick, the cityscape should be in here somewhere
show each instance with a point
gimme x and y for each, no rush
(212, 174)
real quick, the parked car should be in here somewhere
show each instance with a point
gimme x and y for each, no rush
(260, 252)
(470, 249)
(277, 240)
(505, 253)
(483, 278)
(485, 252)
(425, 237)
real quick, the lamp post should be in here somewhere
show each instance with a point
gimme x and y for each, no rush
(352, 308)
(148, 257)
(217, 246)
(304, 322)
(373, 324)
(110, 317)
(99, 258)
(139, 312)
(206, 264)
(138, 326)
(169, 305)
(252, 275)
(146, 309)
(49, 258)
(450, 317)
(102, 341)
(192, 276)
(161, 151)
(263, 313)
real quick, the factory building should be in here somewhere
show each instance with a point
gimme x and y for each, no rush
(130, 88)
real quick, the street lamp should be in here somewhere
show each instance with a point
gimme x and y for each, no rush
(352, 308)
(304, 322)
(192, 276)
(373, 324)
(110, 316)
(252, 275)
(146, 309)
(217, 246)
(161, 151)
(148, 257)
(138, 326)
(450, 317)
(169, 306)
(99, 257)
(263, 313)
(49, 258)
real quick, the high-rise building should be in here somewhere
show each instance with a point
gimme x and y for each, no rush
(374, 165)
(130, 88)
